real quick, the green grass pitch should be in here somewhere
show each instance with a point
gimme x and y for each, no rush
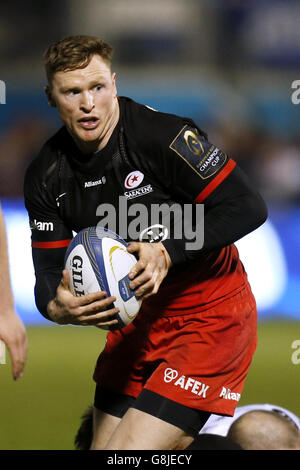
(42, 410)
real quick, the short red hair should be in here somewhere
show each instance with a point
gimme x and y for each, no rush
(74, 52)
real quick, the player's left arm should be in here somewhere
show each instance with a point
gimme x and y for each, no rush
(232, 209)
(150, 270)
(201, 173)
(197, 172)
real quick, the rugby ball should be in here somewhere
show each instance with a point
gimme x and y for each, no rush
(96, 260)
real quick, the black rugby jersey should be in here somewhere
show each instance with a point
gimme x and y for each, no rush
(152, 159)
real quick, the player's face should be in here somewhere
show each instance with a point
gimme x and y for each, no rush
(86, 100)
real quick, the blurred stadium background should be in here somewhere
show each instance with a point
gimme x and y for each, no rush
(230, 66)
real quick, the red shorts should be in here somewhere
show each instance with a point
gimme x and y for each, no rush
(198, 360)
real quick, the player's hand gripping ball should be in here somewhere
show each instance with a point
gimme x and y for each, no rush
(97, 260)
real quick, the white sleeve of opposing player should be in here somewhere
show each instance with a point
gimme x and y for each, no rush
(220, 425)
(217, 425)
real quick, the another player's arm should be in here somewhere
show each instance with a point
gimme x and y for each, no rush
(12, 329)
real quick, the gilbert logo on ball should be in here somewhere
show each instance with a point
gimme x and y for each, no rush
(96, 260)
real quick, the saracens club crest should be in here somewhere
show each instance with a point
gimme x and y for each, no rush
(133, 180)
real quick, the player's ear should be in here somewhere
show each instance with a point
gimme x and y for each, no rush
(49, 95)
(114, 76)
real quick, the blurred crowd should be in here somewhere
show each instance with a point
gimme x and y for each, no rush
(272, 161)
(20, 142)
(257, 55)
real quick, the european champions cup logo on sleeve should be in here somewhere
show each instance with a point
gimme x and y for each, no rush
(2, 92)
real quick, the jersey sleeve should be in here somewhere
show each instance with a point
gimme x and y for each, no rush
(196, 172)
(49, 235)
(191, 166)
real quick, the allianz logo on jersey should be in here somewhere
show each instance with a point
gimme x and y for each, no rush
(89, 184)
(229, 395)
(186, 383)
(43, 226)
(132, 181)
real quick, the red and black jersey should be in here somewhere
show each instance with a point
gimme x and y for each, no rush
(152, 158)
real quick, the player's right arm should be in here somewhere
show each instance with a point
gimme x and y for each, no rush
(50, 239)
(87, 310)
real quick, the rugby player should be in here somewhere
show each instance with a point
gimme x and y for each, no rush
(253, 427)
(159, 378)
(12, 329)
(84, 437)
(261, 426)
